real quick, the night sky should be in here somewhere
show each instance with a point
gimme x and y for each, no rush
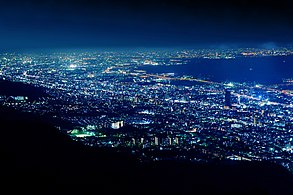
(153, 23)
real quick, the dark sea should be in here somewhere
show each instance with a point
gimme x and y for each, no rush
(261, 70)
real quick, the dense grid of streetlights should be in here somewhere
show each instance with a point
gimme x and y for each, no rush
(111, 102)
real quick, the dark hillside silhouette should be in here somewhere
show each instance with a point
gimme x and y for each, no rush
(9, 88)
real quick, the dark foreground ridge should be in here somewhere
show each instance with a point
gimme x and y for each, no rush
(36, 157)
(9, 88)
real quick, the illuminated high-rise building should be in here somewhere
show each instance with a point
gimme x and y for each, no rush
(156, 141)
(177, 140)
(133, 141)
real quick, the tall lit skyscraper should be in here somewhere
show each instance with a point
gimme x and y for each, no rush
(177, 140)
(156, 141)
